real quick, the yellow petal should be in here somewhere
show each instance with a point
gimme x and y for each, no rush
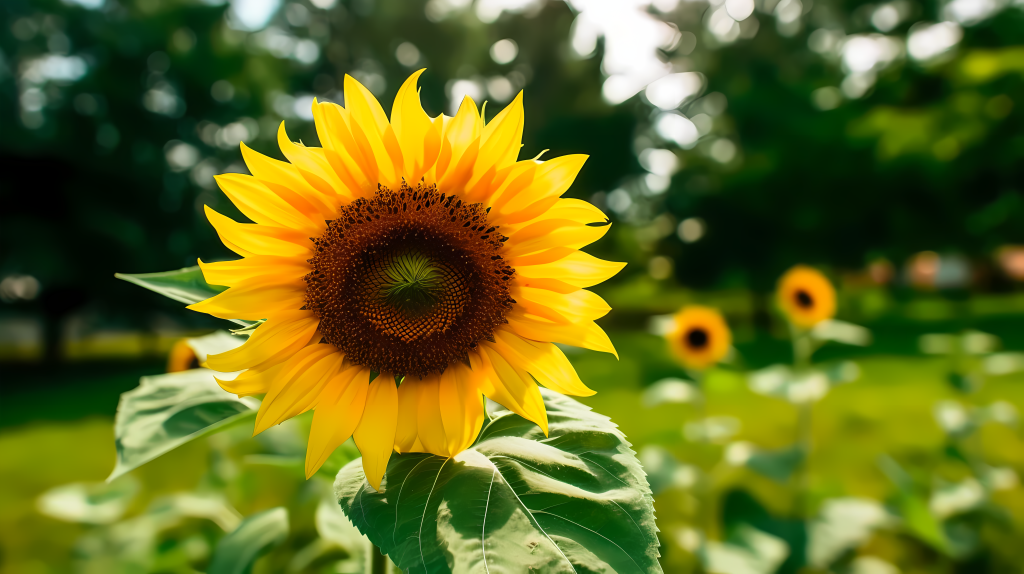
(285, 180)
(546, 362)
(575, 210)
(578, 269)
(315, 169)
(252, 302)
(531, 212)
(253, 239)
(585, 334)
(262, 269)
(546, 283)
(336, 415)
(429, 428)
(573, 307)
(462, 409)
(367, 121)
(271, 342)
(510, 387)
(552, 180)
(432, 150)
(255, 381)
(462, 138)
(251, 382)
(375, 435)
(298, 385)
(408, 413)
(503, 136)
(541, 257)
(412, 125)
(257, 202)
(464, 128)
(513, 180)
(549, 233)
(341, 150)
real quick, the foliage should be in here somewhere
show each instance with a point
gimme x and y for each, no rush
(166, 411)
(117, 114)
(585, 466)
(576, 500)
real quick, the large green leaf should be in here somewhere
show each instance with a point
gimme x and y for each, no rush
(89, 503)
(843, 524)
(236, 552)
(777, 465)
(184, 285)
(746, 550)
(166, 411)
(576, 501)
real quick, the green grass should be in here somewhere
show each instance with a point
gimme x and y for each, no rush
(55, 434)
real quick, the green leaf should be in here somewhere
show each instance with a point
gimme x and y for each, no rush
(802, 386)
(215, 343)
(746, 550)
(576, 501)
(167, 411)
(89, 503)
(841, 332)
(843, 524)
(777, 465)
(236, 552)
(671, 391)
(912, 506)
(185, 285)
(919, 520)
(332, 525)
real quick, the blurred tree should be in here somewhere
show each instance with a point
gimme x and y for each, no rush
(773, 131)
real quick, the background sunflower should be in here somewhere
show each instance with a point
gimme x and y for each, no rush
(700, 337)
(806, 296)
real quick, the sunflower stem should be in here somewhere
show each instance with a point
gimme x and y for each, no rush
(803, 348)
(707, 488)
(378, 561)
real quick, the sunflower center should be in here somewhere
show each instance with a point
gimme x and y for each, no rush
(413, 285)
(409, 281)
(803, 299)
(697, 338)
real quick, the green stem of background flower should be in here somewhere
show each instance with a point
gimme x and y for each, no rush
(378, 561)
(803, 348)
(706, 514)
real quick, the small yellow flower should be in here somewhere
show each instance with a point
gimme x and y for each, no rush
(700, 337)
(406, 249)
(806, 296)
(181, 358)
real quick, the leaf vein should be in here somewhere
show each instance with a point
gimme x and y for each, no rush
(399, 500)
(426, 505)
(483, 528)
(534, 518)
(597, 533)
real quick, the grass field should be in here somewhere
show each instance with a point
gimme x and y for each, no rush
(57, 429)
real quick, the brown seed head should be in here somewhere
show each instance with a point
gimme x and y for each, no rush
(409, 281)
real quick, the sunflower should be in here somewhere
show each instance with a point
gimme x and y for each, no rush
(700, 337)
(806, 296)
(181, 357)
(404, 269)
